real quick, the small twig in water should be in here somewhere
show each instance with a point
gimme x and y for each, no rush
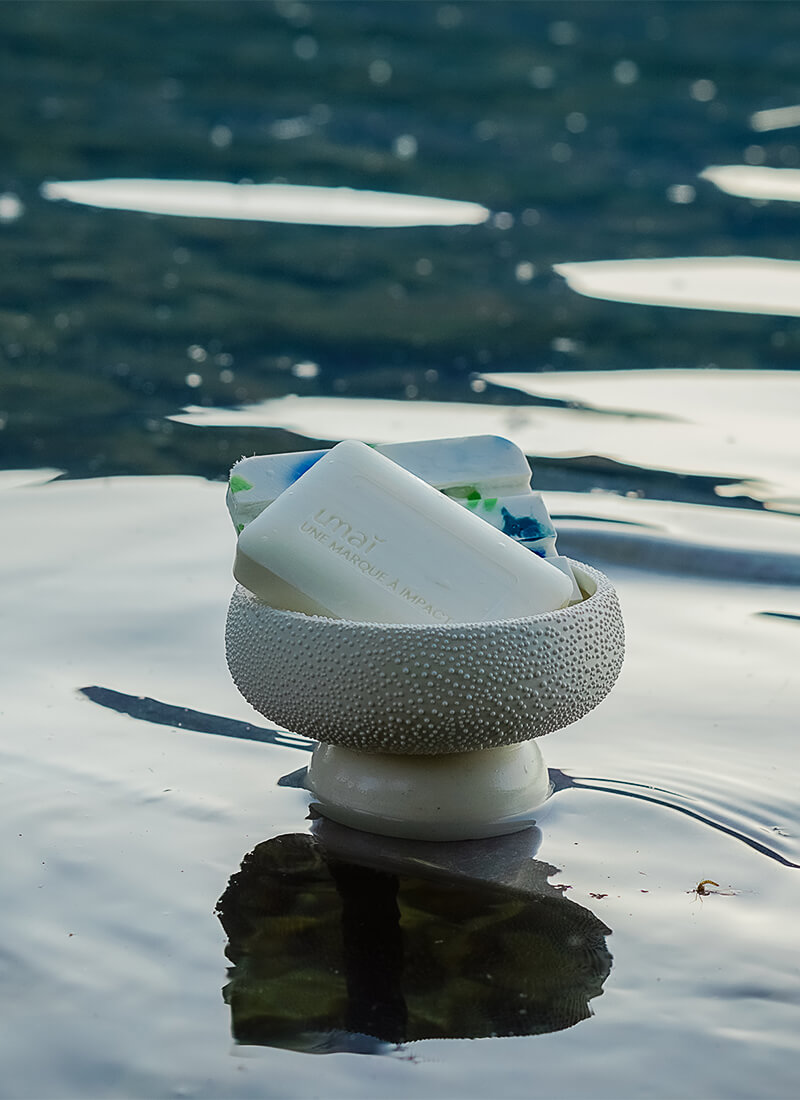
(700, 889)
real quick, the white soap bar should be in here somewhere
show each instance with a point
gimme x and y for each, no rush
(468, 468)
(564, 564)
(255, 482)
(359, 537)
(489, 463)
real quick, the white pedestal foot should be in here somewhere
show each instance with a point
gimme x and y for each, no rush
(453, 796)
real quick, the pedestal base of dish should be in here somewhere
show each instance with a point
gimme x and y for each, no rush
(453, 796)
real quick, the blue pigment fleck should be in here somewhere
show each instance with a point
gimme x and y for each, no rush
(306, 463)
(522, 527)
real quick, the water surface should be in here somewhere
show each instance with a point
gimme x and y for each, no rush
(142, 353)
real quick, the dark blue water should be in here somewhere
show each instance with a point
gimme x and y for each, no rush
(583, 127)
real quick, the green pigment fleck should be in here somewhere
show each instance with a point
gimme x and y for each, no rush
(239, 528)
(489, 503)
(239, 484)
(462, 492)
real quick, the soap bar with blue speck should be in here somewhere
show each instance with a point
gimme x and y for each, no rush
(487, 474)
(467, 468)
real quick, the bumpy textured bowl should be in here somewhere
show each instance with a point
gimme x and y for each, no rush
(424, 690)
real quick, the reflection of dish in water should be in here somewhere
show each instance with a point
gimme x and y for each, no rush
(737, 284)
(751, 181)
(269, 202)
(324, 950)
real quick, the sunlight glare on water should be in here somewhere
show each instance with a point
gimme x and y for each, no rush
(707, 422)
(743, 284)
(756, 182)
(270, 202)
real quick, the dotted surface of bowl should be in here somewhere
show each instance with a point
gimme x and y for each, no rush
(427, 689)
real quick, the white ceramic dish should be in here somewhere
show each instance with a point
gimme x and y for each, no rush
(427, 690)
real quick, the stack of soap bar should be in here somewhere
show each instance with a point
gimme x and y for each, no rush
(357, 536)
(486, 474)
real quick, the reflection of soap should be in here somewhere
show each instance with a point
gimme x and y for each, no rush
(470, 469)
(359, 537)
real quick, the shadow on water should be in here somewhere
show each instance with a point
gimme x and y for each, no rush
(330, 954)
(184, 718)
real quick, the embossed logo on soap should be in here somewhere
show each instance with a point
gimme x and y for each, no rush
(339, 536)
(328, 523)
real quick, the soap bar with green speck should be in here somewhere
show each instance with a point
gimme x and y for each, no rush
(468, 468)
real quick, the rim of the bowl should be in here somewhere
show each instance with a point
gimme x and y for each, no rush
(601, 582)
